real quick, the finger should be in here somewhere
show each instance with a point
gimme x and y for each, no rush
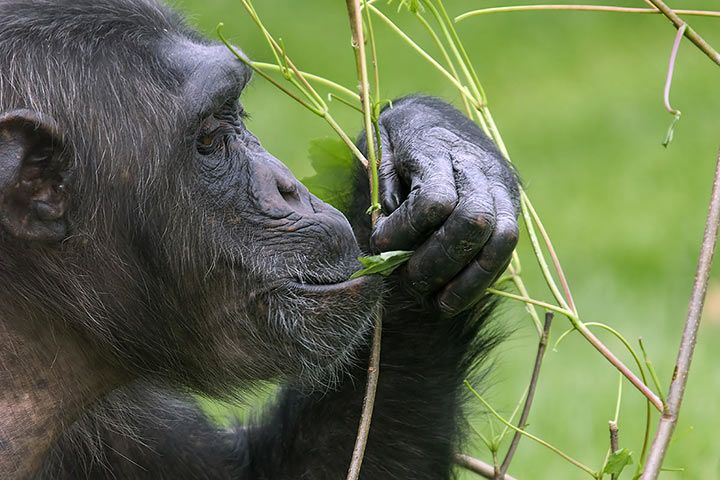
(391, 193)
(431, 200)
(461, 237)
(469, 286)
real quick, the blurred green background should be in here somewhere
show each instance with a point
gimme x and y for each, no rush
(578, 99)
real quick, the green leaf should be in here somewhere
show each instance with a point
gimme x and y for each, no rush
(617, 461)
(334, 167)
(671, 130)
(383, 264)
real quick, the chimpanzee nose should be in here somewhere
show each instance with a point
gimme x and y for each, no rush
(277, 191)
(290, 192)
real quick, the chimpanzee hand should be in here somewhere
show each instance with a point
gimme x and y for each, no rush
(448, 194)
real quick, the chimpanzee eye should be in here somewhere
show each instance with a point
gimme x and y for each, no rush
(205, 140)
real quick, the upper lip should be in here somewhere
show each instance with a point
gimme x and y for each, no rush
(329, 287)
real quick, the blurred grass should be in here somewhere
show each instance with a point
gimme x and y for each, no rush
(577, 97)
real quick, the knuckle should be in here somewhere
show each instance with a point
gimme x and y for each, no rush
(379, 240)
(477, 217)
(437, 204)
(509, 235)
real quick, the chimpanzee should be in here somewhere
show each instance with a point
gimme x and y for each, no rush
(151, 249)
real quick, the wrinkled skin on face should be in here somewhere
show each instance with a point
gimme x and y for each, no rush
(273, 290)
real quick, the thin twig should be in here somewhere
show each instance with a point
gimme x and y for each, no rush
(553, 256)
(426, 56)
(671, 70)
(579, 8)
(368, 403)
(358, 43)
(315, 78)
(669, 418)
(583, 329)
(539, 440)
(614, 441)
(668, 83)
(478, 466)
(691, 34)
(522, 423)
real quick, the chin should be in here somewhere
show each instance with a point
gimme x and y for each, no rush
(326, 327)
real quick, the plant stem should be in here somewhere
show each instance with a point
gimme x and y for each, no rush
(447, 58)
(577, 8)
(373, 50)
(368, 402)
(671, 69)
(532, 301)
(542, 442)
(676, 392)
(462, 88)
(542, 345)
(478, 466)
(317, 105)
(614, 441)
(358, 43)
(315, 78)
(690, 33)
(553, 254)
(529, 307)
(538, 252)
(594, 341)
(650, 367)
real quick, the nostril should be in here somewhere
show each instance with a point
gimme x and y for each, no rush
(289, 193)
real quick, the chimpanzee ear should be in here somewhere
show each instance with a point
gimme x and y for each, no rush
(33, 200)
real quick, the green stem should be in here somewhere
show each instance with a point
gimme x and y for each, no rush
(539, 303)
(651, 369)
(553, 254)
(332, 96)
(345, 138)
(545, 444)
(595, 342)
(578, 8)
(358, 43)
(539, 253)
(264, 75)
(446, 56)
(315, 78)
(373, 50)
(320, 108)
(458, 49)
(463, 89)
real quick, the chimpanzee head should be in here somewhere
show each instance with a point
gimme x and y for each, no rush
(137, 211)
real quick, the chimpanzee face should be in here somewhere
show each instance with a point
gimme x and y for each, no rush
(177, 244)
(276, 258)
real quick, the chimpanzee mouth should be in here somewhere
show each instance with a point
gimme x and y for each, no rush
(329, 288)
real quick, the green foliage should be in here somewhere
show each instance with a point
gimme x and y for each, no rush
(383, 264)
(334, 166)
(617, 462)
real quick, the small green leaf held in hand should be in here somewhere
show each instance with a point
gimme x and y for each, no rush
(617, 461)
(384, 264)
(334, 166)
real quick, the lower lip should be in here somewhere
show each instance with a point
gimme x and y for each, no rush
(331, 288)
